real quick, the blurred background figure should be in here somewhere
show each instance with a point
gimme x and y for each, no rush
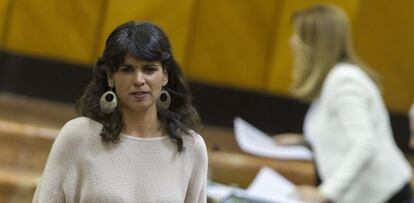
(347, 124)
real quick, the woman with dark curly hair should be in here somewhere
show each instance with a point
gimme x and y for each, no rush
(135, 139)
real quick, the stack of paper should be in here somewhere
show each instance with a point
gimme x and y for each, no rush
(254, 141)
(267, 187)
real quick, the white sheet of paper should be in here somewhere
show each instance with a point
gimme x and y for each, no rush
(271, 186)
(268, 186)
(254, 141)
(219, 192)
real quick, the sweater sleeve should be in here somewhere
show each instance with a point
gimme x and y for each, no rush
(196, 191)
(57, 183)
(350, 102)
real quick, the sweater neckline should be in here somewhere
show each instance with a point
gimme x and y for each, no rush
(142, 139)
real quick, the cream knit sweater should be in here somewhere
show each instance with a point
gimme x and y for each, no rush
(81, 168)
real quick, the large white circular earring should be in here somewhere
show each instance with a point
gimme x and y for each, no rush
(108, 102)
(164, 100)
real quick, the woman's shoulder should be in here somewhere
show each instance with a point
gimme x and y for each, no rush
(83, 122)
(79, 128)
(195, 142)
(349, 80)
(73, 136)
(347, 75)
(346, 71)
(195, 150)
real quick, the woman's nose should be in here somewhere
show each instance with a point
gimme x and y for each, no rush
(139, 78)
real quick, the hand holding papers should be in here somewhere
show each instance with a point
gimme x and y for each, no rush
(254, 141)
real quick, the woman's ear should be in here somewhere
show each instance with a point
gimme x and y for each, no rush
(110, 79)
(165, 77)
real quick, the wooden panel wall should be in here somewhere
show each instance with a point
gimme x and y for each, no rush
(174, 17)
(57, 29)
(3, 8)
(384, 37)
(233, 43)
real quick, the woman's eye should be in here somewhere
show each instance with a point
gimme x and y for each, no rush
(125, 69)
(150, 69)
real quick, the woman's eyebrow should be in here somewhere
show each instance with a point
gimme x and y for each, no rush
(126, 65)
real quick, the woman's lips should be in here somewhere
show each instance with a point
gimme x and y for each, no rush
(139, 95)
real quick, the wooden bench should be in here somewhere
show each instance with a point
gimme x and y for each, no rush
(28, 128)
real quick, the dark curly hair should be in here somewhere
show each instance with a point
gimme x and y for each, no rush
(144, 41)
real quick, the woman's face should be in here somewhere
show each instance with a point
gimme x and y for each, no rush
(138, 83)
(296, 44)
(299, 49)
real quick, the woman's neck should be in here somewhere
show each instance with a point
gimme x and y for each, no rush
(142, 124)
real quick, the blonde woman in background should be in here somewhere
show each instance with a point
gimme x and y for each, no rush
(347, 125)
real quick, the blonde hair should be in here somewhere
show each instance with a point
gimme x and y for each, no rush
(325, 34)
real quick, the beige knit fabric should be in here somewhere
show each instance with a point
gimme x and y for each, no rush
(81, 168)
